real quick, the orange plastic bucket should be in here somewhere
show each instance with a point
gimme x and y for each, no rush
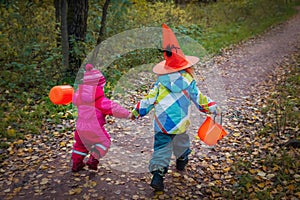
(61, 94)
(211, 132)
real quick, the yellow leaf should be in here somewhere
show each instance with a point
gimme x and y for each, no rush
(248, 185)
(56, 134)
(279, 188)
(276, 167)
(212, 167)
(261, 185)
(226, 169)
(297, 176)
(176, 174)
(7, 190)
(250, 121)
(264, 168)
(261, 174)
(159, 192)
(266, 146)
(44, 181)
(93, 184)
(17, 190)
(43, 167)
(75, 191)
(19, 142)
(270, 176)
(218, 182)
(62, 144)
(236, 134)
(20, 152)
(11, 133)
(216, 176)
(291, 187)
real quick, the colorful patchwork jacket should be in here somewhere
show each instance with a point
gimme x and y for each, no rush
(171, 99)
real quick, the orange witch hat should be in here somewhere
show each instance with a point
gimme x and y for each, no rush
(175, 60)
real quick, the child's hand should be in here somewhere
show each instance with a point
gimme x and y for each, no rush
(215, 110)
(131, 116)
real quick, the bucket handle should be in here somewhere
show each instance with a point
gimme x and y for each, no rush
(220, 119)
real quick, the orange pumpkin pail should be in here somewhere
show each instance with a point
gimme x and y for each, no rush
(61, 94)
(211, 132)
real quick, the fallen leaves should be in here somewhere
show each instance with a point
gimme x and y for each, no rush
(261, 174)
(75, 191)
(44, 181)
(246, 163)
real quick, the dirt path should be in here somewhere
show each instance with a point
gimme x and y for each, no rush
(41, 169)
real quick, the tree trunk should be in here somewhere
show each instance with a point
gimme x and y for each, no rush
(103, 22)
(57, 5)
(101, 33)
(77, 26)
(64, 34)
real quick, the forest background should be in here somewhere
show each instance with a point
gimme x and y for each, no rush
(32, 59)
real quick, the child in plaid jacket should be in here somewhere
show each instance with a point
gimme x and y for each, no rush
(171, 99)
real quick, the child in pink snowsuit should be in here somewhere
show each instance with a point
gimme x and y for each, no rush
(90, 135)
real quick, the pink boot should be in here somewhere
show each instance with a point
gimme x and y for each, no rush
(77, 162)
(92, 163)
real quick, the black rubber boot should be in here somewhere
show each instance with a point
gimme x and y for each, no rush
(181, 162)
(157, 182)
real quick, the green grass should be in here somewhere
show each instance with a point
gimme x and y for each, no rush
(283, 106)
(222, 24)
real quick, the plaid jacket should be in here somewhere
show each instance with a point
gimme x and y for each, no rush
(171, 99)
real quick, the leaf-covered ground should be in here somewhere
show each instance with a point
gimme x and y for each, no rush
(250, 163)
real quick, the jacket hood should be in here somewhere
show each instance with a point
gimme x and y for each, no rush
(90, 93)
(177, 81)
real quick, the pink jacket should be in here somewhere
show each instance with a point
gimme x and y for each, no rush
(93, 106)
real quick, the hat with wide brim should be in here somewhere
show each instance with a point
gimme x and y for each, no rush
(162, 68)
(175, 60)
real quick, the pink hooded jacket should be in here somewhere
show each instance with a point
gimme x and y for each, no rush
(93, 106)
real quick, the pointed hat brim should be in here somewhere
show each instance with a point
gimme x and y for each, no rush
(161, 68)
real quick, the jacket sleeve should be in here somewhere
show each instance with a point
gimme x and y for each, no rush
(143, 107)
(202, 102)
(75, 99)
(109, 107)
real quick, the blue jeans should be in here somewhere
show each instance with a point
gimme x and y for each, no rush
(165, 145)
